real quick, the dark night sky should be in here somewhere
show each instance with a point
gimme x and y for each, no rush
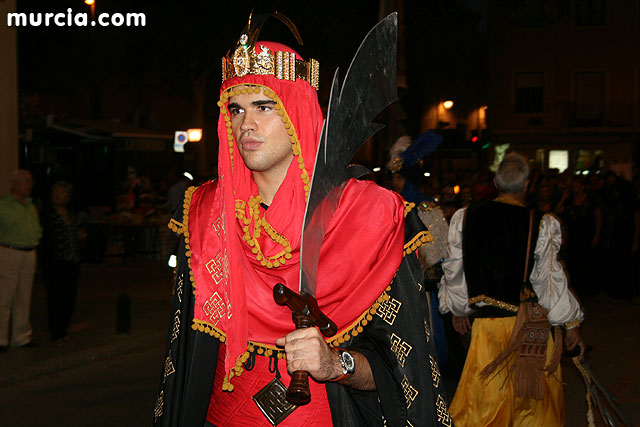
(144, 76)
(179, 38)
(183, 40)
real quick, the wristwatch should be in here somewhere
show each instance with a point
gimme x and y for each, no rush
(347, 363)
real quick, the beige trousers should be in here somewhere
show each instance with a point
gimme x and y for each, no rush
(17, 269)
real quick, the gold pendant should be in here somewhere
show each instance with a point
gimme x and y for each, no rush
(272, 401)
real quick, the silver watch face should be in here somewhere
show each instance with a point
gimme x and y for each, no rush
(348, 362)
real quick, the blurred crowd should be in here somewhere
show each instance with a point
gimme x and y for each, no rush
(600, 214)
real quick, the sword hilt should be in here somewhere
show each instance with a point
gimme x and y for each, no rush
(304, 304)
(306, 314)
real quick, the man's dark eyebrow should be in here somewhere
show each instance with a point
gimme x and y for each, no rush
(260, 102)
(256, 103)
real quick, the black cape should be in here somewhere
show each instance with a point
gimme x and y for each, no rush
(398, 344)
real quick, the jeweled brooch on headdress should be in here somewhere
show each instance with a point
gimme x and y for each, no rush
(281, 65)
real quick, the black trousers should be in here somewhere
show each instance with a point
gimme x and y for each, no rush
(61, 282)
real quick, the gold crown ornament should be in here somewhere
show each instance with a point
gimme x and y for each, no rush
(281, 65)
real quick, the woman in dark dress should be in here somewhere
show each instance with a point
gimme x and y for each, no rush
(61, 261)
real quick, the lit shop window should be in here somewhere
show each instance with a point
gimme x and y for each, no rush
(559, 159)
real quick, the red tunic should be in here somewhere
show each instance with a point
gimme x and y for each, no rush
(238, 408)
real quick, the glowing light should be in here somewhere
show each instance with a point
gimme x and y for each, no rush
(377, 169)
(89, 2)
(474, 139)
(194, 135)
(188, 175)
(559, 159)
(585, 172)
(427, 174)
(447, 104)
(456, 189)
(173, 261)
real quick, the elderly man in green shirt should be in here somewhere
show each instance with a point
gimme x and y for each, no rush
(20, 233)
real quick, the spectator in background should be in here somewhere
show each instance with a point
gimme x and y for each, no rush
(543, 195)
(582, 219)
(405, 180)
(176, 192)
(20, 233)
(465, 195)
(483, 188)
(618, 246)
(61, 250)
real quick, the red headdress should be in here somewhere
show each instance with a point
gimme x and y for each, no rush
(239, 250)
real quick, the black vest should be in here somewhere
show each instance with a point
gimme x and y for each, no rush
(494, 247)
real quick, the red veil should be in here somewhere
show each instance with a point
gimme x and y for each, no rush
(239, 251)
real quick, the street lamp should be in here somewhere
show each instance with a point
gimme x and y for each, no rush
(181, 137)
(91, 3)
(194, 135)
(447, 104)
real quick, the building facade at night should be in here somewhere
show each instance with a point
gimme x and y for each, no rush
(564, 83)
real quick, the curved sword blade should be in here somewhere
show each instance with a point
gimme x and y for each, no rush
(368, 87)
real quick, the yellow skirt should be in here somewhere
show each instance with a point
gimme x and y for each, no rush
(492, 402)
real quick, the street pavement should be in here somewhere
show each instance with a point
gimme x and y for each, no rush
(104, 378)
(100, 377)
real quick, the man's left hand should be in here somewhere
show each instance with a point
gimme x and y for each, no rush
(573, 338)
(307, 351)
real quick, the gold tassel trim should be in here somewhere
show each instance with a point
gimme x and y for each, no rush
(185, 232)
(420, 239)
(259, 224)
(175, 226)
(269, 350)
(408, 206)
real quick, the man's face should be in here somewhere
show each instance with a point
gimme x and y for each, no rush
(22, 185)
(60, 196)
(397, 182)
(262, 139)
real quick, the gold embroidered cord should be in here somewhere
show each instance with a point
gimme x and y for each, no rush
(493, 302)
(572, 324)
(509, 201)
(587, 378)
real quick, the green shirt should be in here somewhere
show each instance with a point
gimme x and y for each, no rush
(19, 223)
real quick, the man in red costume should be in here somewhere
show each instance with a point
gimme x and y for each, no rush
(229, 342)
